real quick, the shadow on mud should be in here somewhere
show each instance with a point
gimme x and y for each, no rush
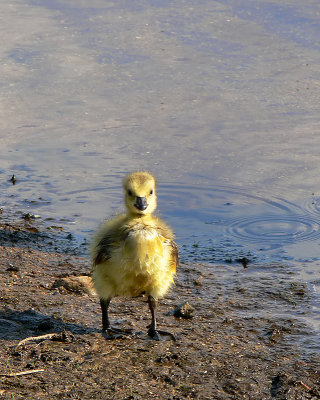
(18, 325)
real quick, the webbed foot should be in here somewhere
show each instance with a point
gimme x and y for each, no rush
(115, 333)
(155, 334)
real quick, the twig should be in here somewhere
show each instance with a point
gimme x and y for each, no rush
(31, 371)
(304, 385)
(42, 337)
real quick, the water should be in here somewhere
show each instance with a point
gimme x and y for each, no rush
(220, 99)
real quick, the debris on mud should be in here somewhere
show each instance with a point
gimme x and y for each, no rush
(76, 284)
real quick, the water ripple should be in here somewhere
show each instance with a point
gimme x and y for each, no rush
(271, 229)
(196, 197)
(218, 213)
(312, 205)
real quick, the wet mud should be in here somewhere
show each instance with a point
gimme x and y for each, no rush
(239, 335)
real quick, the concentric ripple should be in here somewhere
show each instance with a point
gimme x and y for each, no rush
(312, 205)
(237, 213)
(198, 197)
(275, 229)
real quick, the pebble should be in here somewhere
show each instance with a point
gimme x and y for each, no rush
(184, 310)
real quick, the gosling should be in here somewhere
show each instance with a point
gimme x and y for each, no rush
(134, 253)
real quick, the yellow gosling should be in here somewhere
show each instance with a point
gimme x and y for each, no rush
(134, 253)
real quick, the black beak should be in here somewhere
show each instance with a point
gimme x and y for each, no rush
(141, 203)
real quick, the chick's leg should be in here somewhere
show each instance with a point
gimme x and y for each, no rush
(107, 330)
(153, 332)
(105, 315)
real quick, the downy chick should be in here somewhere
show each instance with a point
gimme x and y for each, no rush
(134, 253)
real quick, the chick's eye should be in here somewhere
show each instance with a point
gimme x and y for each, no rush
(129, 192)
(151, 191)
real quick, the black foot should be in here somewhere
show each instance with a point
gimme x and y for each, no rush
(156, 334)
(115, 333)
(108, 334)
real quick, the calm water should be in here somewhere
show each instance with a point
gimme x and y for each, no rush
(220, 99)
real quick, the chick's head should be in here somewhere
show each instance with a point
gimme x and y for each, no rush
(140, 193)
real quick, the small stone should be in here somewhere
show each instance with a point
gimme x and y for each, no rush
(13, 268)
(184, 310)
(275, 335)
(198, 281)
(244, 261)
(13, 179)
(28, 216)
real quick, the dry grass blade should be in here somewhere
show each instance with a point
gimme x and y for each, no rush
(31, 338)
(31, 371)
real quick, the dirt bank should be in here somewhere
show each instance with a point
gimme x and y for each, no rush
(228, 349)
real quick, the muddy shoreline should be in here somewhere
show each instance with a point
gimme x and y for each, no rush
(232, 347)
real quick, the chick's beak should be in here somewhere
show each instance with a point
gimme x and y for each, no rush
(141, 203)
